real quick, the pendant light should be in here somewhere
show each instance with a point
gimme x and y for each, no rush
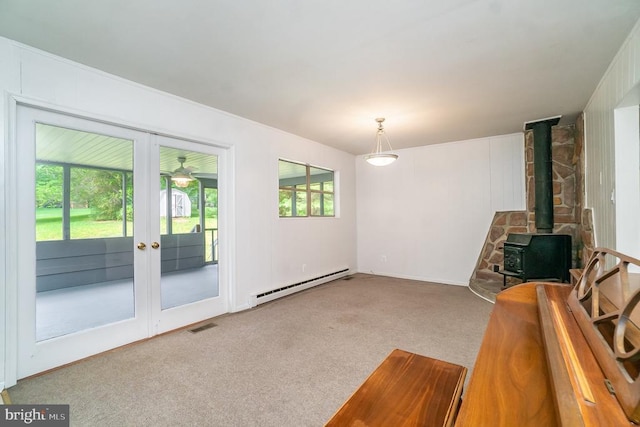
(182, 176)
(378, 157)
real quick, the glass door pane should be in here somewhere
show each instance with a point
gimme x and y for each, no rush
(188, 226)
(211, 222)
(83, 228)
(84, 282)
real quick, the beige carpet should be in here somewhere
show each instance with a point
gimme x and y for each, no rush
(291, 362)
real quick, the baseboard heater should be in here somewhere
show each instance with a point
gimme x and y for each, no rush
(295, 287)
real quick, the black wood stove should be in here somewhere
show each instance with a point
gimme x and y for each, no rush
(541, 255)
(537, 256)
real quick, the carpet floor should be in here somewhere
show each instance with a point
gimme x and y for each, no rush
(290, 362)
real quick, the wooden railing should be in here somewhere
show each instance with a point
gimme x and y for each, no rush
(211, 243)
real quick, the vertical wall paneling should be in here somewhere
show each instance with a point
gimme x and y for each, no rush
(426, 216)
(9, 82)
(627, 179)
(618, 83)
(507, 173)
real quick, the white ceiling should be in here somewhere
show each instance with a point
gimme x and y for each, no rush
(437, 70)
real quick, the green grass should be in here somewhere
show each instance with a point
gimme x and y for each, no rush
(83, 226)
(49, 225)
(55, 214)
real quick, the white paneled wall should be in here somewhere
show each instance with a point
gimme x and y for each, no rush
(508, 191)
(426, 215)
(627, 176)
(618, 88)
(9, 78)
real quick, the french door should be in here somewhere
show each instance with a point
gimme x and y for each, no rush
(118, 236)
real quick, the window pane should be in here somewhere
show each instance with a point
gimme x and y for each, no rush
(49, 187)
(211, 224)
(292, 174)
(211, 208)
(163, 204)
(321, 179)
(97, 208)
(292, 199)
(87, 178)
(187, 248)
(328, 205)
(321, 204)
(301, 204)
(129, 204)
(181, 206)
(305, 190)
(316, 204)
(288, 208)
(285, 206)
(185, 217)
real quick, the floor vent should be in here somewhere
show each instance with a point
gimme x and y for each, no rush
(295, 287)
(202, 328)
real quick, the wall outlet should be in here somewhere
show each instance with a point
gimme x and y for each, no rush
(496, 267)
(383, 258)
(304, 267)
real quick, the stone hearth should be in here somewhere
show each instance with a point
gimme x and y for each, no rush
(569, 217)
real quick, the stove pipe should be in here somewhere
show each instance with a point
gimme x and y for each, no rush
(542, 172)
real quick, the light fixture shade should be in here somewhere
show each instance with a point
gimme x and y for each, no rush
(182, 176)
(379, 157)
(382, 159)
(181, 180)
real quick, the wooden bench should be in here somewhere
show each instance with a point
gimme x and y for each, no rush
(405, 390)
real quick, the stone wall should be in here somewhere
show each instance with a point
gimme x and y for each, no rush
(568, 185)
(586, 215)
(503, 223)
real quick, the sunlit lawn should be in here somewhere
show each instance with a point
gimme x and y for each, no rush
(83, 226)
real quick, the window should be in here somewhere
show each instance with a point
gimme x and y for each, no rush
(83, 185)
(74, 202)
(305, 190)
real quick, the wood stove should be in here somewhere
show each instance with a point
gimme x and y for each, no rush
(541, 255)
(537, 256)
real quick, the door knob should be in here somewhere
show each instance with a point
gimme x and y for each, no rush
(155, 245)
(141, 246)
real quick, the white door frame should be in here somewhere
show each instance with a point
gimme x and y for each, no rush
(13, 237)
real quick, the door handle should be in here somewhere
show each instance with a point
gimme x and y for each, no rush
(155, 245)
(141, 246)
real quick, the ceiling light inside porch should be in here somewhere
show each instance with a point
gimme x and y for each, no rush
(182, 176)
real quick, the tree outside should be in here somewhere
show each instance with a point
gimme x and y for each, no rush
(96, 205)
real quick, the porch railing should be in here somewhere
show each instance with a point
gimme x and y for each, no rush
(211, 245)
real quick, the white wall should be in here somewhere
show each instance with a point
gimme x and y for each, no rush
(627, 179)
(619, 87)
(267, 252)
(426, 215)
(9, 78)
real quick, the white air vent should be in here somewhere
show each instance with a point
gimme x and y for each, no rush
(272, 294)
